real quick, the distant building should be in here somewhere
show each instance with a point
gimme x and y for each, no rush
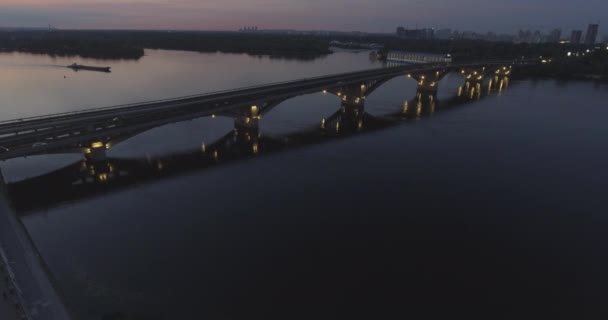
(415, 34)
(443, 34)
(249, 29)
(555, 35)
(576, 36)
(528, 36)
(417, 57)
(591, 35)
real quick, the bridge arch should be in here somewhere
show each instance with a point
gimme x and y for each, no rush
(297, 112)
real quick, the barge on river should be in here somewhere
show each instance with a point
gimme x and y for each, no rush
(77, 67)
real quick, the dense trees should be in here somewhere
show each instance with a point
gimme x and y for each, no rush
(131, 44)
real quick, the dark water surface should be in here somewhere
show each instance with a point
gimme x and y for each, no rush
(494, 208)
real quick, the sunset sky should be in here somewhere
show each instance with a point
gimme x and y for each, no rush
(347, 15)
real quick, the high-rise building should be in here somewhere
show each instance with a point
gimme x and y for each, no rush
(443, 34)
(576, 36)
(555, 35)
(416, 34)
(591, 35)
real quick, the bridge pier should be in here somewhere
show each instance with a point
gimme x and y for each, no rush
(97, 152)
(350, 117)
(428, 81)
(500, 78)
(473, 77)
(247, 131)
(247, 118)
(352, 106)
(353, 94)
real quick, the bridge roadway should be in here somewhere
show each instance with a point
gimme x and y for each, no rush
(59, 132)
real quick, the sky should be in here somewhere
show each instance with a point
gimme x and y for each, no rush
(345, 15)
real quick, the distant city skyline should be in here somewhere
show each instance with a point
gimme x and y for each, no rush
(340, 15)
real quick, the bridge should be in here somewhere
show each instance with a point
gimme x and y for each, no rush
(89, 178)
(93, 131)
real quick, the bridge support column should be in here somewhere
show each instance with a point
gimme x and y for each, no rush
(97, 155)
(352, 107)
(473, 77)
(246, 130)
(353, 94)
(500, 79)
(428, 81)
(349, 118)
(247, 118)
(96, 152)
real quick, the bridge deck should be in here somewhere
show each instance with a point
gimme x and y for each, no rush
(36, 135)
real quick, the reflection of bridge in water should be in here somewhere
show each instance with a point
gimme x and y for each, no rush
(92, 177)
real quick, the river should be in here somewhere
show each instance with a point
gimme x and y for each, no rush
(494, 207)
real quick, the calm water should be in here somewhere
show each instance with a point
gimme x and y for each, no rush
(493, 208)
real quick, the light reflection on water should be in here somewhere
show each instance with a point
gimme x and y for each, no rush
(497, 200)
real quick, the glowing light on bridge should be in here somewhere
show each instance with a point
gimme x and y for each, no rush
(323, 123)
(97, 145)
(203, 148)
(255, 148)
(103, 177)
